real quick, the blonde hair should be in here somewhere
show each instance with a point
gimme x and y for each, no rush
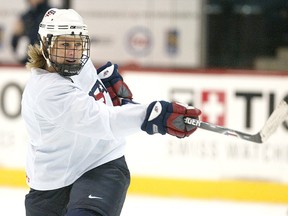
(35, 57)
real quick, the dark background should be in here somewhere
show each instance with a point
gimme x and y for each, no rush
(239, 31)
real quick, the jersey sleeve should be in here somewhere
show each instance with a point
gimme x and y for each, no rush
(68, 107)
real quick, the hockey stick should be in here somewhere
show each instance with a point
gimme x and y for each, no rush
(279, 114)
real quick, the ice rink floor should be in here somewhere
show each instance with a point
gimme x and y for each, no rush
(11, 202)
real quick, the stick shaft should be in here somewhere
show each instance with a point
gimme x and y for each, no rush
(275, 119)
(223, 130)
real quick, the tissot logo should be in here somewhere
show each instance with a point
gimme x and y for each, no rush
(216, 105)
(211, 102)
(213, 106)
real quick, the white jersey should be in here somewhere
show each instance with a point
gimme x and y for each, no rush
(69, 131)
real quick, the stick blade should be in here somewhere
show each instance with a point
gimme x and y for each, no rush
(275, 119)
(256, 138)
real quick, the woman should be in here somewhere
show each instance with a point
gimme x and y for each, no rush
(75, 159)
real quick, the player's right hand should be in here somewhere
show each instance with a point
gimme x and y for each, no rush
(114, 83)
(164, 117)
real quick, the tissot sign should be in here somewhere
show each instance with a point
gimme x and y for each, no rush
(240, 102)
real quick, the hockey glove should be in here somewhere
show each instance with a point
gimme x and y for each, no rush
(164, 117)
(114, 83)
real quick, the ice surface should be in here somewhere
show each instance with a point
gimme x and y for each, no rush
(12, 204)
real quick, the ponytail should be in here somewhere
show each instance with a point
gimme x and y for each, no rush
(35, 57)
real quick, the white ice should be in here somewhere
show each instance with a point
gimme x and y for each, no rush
(12, 204)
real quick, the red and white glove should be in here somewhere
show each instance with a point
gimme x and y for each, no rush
(164, 117)
(114, 83)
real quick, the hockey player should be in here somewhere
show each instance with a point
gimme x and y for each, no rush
(75, 159)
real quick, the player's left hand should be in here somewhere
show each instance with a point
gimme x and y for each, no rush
(164, 117)
(114, 83)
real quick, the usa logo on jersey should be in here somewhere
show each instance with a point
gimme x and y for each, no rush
(98, 91)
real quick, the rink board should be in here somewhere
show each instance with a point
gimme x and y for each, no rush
(205, 165)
